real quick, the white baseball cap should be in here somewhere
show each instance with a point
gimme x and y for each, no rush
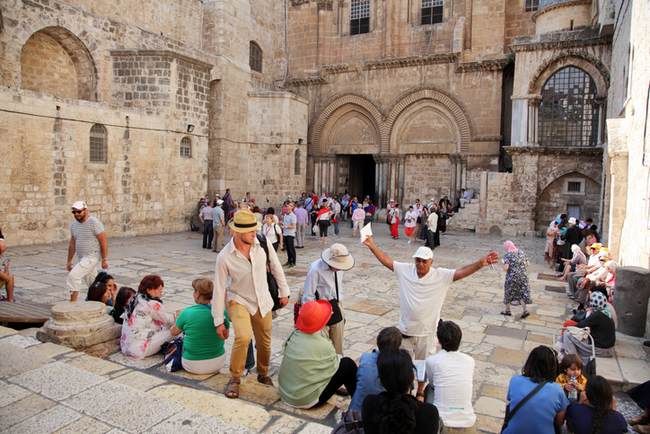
(572, 221)
(80, 205)
(423, 253)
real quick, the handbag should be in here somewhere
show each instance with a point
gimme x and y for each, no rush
(173, 355)
(270, 279)
(511, 414)
(337, 315)
(315, 229)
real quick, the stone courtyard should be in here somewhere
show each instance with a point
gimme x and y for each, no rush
(50, 388)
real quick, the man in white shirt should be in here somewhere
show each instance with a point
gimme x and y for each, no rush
(451, 374)
(240, 284)
(324, 281)
(422, 291)
(410, 222)
(433, 240)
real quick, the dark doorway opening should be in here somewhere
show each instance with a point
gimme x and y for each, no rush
(362, 176)
(505, 161)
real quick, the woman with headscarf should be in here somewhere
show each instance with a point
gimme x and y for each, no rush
(601, 327)
(577, 258)
(516, 290)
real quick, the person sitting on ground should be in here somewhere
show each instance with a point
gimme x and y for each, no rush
(546, 409)
(147, 323)
(451, 374)
(388, 339)
(124, 296)
(99, 292)
(6, 278)
(396, 410)
(310, 372)
(593, 263)
(641, 395)
(571, 378)
(203, 351)
(601, 327)
(578, 258)
(598, 414)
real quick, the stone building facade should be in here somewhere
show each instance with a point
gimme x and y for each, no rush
(141, 109)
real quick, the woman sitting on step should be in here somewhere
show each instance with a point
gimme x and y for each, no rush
(203, 351)
(147, 325)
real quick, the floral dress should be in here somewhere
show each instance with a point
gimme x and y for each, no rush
(146, 328)
(516, 284)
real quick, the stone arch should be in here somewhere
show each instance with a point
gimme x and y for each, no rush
(589, 64)
(55, 61)
(556, 173)
(444, 104)
(335, 110)
(553, 199)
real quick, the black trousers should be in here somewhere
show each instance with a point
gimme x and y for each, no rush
(290, 248)
(208, 234)
(346, 375)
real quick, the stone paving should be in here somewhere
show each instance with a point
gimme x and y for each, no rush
(49, 388)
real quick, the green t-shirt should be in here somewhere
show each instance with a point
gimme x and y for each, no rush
(201, 341)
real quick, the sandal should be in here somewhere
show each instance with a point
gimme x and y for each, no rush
(265, 379)
(506, 313)
(525, 315)
(232, 388)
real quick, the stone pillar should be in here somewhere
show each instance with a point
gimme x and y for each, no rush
(84, 325)
(631, 301)
(532, 137)
(483, 196)
(519, 123)
(524, 186)
(617, 181)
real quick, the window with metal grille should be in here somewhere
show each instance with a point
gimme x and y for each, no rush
(568, 112)
(431, 11)
(256, 57)
(98, 144)
(574, 187)
(186, 147)
(531, 5)
(359, 17)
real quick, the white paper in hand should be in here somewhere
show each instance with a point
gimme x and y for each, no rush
(365, 232)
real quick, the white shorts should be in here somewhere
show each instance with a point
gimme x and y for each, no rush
(209, 366)
(419, 347)
(82, 274)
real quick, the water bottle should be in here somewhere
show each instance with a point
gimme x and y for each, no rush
(573, 394)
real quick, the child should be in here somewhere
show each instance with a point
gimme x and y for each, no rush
(571, 378)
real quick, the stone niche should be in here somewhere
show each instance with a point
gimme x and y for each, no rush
(84, 326)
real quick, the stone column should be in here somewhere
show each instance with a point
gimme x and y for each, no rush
(519, 123)
(532, 137)
(617, 181)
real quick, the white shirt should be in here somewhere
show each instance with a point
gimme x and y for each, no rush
(452, 375)
(321, 278)
(410, 219)
(271, 233)
(432, 222)
(420, 300)
(243, 281)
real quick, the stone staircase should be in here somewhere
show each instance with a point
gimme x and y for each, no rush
(466, 219)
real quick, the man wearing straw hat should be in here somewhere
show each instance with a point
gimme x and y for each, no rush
(325, 282)
(240, 282)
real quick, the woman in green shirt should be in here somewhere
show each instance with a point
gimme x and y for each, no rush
(310, 372)
(203, 351)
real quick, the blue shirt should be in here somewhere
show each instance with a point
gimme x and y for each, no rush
(580, 418)
(368, 382)
(541, 408)
(289, 219)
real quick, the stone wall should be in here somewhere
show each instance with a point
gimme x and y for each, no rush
(427, 176)
(145, 187)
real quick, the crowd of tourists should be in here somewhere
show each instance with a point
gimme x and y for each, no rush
(416, 380)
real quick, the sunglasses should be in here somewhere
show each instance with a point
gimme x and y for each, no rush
(74, 211)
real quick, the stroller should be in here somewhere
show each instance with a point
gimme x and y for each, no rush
(579, 341)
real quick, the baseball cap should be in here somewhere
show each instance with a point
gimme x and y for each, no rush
(80, 205)
(423, 253)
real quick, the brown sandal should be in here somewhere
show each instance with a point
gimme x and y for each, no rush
(232, 388)
(265, 379)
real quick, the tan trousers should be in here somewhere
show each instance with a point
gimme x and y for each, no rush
(335, 332)
(218, 238)
(246, 326)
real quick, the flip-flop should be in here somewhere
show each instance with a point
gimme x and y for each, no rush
(525, 315)
(506, 313)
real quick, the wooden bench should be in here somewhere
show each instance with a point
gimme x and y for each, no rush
(24, 312)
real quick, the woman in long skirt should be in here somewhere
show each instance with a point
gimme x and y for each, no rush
(516, 289)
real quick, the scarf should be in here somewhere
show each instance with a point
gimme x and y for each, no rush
(509, 247)
(134, 302)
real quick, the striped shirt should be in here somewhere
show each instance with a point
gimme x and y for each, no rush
(85, 236)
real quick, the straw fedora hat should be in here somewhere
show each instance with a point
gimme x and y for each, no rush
(313, 316)
(337, 256)
(244, 221)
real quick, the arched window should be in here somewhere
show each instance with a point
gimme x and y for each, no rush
(568, 113)
(256, 57)
(296, 162)
(186, 147)
(98, 144)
